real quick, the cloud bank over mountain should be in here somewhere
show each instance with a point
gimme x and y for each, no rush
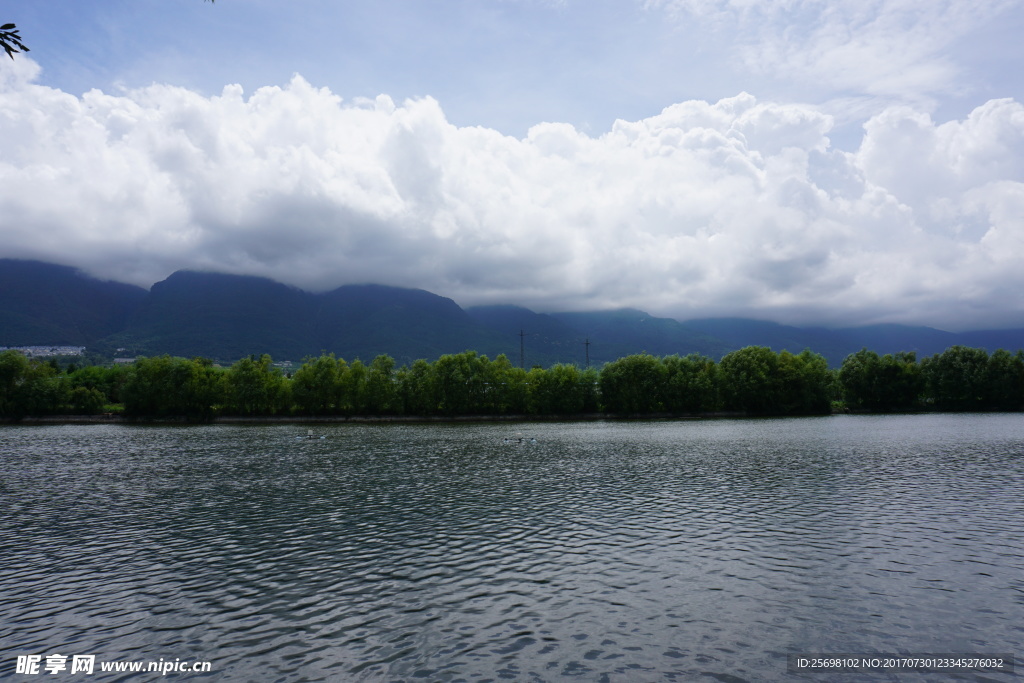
(734, 207)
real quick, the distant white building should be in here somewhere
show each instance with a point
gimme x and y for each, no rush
(43, 351)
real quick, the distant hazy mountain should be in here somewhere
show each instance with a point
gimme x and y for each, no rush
(890, 338)
(611, 334)
(231, 316)
(836, 344)
(1011, 340)
(618, 333)
(367, 320)
(220, 316)
(43, 303)
(739, 332)
(545, 339)
(227, 317)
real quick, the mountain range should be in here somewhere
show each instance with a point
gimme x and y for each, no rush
(226, 317)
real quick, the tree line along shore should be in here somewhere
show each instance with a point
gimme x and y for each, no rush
(754, 380)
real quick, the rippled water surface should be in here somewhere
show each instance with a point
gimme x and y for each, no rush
(619, 551)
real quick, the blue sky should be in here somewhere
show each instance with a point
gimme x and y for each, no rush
(832, 162)
(504, 64)
(509, 64)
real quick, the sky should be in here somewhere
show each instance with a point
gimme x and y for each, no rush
(815, 162)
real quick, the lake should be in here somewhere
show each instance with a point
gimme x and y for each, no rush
(605, 551)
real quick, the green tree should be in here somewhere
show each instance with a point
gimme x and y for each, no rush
(857, 376)
(559, 390)
(148, 390)
(86, 401)
(633, 385)
(956, 379)
(44, 391)
(352, 387)
(315, 386)
(28, 387)
(256, 387)
(416, 389)
(173, 386)
(590, 382)
(108, 381)
(887, 383)
(381, 388)
(461, 383)
(804, 384)
(692, 384)
(506, 387)
(13, 370)
(1004, 380)
(540, 391)
(205, 390)
(751, 380)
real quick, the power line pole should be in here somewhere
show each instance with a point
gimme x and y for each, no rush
(587, 345)
(521, 343)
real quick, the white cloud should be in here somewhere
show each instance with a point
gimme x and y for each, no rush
(887, 50)
(734, 207)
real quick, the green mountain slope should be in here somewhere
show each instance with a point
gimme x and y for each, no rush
(220, 316)
(227, 317)
(48, 304)
(614, 334)
(545, 340)
(363, 321)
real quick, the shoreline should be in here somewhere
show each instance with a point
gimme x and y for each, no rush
(360, 419)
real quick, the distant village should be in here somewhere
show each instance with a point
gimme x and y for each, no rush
(44, 351)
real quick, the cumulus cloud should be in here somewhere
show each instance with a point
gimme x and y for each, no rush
(737, 207)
